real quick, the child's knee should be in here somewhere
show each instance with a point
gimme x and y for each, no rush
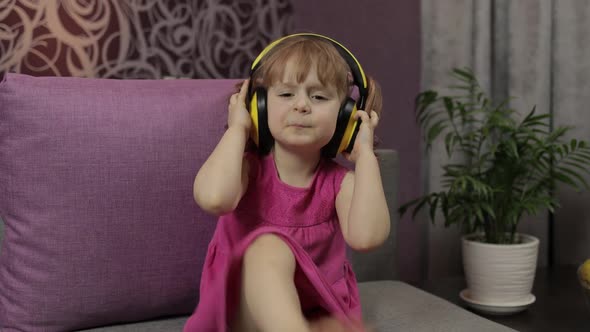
(269, 250)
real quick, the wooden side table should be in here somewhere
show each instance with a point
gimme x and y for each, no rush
(559, 305)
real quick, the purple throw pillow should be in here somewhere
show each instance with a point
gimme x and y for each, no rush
(96, 177)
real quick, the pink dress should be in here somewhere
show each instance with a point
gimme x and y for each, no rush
(306, 219)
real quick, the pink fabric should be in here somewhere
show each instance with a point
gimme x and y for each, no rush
(306, 219)
(96, 199)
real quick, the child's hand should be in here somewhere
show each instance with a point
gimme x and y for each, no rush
(364, 139)
(238, 113)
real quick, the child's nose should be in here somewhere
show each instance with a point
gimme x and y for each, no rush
(302, 104)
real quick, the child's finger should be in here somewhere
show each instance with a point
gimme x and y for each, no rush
(233, 98)
(362, 115)
(243, 90)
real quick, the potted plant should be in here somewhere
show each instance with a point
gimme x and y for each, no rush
(508, 166)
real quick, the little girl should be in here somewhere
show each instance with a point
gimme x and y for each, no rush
(277, 260)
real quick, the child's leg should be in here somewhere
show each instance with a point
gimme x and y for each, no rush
(269, 300)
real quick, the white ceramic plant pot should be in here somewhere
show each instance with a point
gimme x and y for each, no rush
(500, 273)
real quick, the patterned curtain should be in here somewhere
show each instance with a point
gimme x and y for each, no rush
(138, 38)
(536, 51)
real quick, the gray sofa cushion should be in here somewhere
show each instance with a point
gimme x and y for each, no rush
(397, 306)
(161, 325)
(379, 264)
(387, 306)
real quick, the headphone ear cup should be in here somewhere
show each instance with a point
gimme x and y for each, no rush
(345, 126)
(260, 132)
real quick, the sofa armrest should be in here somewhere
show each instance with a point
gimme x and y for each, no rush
(379, 264)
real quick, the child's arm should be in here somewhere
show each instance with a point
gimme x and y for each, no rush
(360, 204)
(222, 180)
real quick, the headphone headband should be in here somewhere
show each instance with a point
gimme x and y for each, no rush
(358, 75)
(347, 126)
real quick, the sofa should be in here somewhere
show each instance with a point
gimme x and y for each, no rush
(99, 228)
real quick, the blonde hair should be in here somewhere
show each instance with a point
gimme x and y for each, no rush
(308, 51)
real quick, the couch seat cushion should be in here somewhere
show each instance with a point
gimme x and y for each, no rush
(397, 306)
(387, 306)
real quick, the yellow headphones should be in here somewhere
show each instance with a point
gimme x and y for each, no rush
(346, 127)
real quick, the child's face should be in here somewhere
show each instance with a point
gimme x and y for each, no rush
(302, 115)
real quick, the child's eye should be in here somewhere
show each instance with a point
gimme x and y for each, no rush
(285, 94)
(319, 97)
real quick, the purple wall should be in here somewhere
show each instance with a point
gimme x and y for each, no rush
(385, 38)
